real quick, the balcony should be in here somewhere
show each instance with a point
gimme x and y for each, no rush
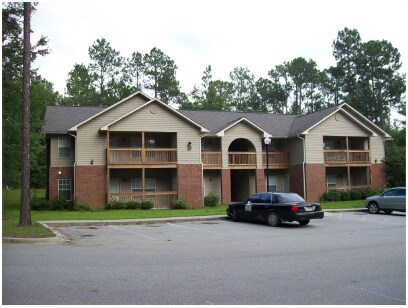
(276, 160)
(141, 156)
(211, 160)
(242, 159)
(339, 157)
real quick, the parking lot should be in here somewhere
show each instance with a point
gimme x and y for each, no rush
(346, 258)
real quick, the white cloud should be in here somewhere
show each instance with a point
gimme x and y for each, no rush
(224, 34)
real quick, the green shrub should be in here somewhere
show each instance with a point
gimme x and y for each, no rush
(146, 205)
(345, 196)
(116, 205)
(60, 204)
(356, 195)
(83, 207)
(178, 204)
(331, 195)
(39, 204)
(211, 200)
(133, 205)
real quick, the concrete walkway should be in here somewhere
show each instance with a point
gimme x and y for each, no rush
(61, 238)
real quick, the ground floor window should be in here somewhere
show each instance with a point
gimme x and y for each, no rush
(272, 183)
(136, 184)
(64, 188)
(330, 180)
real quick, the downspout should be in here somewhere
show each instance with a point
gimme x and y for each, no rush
(304, 167)
(75, 164)
(202, 166)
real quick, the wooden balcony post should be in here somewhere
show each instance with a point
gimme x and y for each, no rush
(143, 147)
(107, 148)
(143, 184)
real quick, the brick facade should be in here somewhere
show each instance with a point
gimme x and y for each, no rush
(190, 184)
(296, 179)
(53, 176)
(315, 181)
(91, 185)
(260, 180)
(226, 186)
(378, 175)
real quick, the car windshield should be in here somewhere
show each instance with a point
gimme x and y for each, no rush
(289, 198)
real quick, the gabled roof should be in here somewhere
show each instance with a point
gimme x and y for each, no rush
(243, 119)
(155, 100)
(58, 119)
(277, 125)
(75, 127)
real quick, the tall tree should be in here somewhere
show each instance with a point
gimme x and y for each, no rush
(282, 84)
(79, 88)
(25, 217)
(346, 51)
(243, 82)
(135, 69)
(12, 57)
(106, 65)
(160, 73)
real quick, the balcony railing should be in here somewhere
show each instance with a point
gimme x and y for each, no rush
(126, 156)
(211, 159)
(242, 158)
(346, 157)
(160, 200)
(276, 159)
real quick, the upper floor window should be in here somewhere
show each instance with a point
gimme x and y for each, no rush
(64, 147)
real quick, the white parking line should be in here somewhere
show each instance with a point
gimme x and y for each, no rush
(196, 229)
(378, 294)
(121, 229)
(364, 218)
(384, 221)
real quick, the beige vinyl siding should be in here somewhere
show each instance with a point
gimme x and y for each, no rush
(338, 124)
(245, 131)
(212, 182)
(91, 142)
(55, 161)
(157, 118)
(377, 149)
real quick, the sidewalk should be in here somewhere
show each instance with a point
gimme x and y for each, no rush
(60, 238)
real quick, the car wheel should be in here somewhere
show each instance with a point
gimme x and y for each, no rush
(235, 216)
(273, 220)
(387, 211)
(304, 222)
(373, 208)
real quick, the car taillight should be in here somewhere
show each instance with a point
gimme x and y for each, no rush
(294, 208)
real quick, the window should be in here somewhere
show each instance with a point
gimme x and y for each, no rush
(266, 198)
(330, 180)
(136, 184)
(64, 188)
(272, 183)
(400, 192)
(64, 147)
(390, 193)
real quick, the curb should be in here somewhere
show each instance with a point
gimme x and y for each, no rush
(61, 238)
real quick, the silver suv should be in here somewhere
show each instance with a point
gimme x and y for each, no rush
(390, 200)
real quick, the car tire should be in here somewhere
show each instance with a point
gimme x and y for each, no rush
(235, 216)
(273, 220)
(304, 222)
(373, 208)
(387, 211)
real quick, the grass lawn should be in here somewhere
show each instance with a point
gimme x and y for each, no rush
(11, 214)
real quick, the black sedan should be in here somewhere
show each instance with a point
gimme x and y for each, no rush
(274, 208)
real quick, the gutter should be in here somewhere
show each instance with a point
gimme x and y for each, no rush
(75, 164)
(304, 167)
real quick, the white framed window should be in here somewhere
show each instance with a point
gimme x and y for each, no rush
(64, 147)
(136, 184)
(272, 183)
(64, 189)
(330, 180)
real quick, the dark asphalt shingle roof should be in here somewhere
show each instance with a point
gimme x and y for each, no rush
(58, 119)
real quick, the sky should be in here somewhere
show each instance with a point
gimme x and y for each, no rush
(224, 34)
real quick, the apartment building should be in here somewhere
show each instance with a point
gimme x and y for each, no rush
(142, 149)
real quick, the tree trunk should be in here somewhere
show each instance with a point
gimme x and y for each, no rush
(25, 217)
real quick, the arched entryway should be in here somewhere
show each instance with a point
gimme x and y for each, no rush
(242, 162)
